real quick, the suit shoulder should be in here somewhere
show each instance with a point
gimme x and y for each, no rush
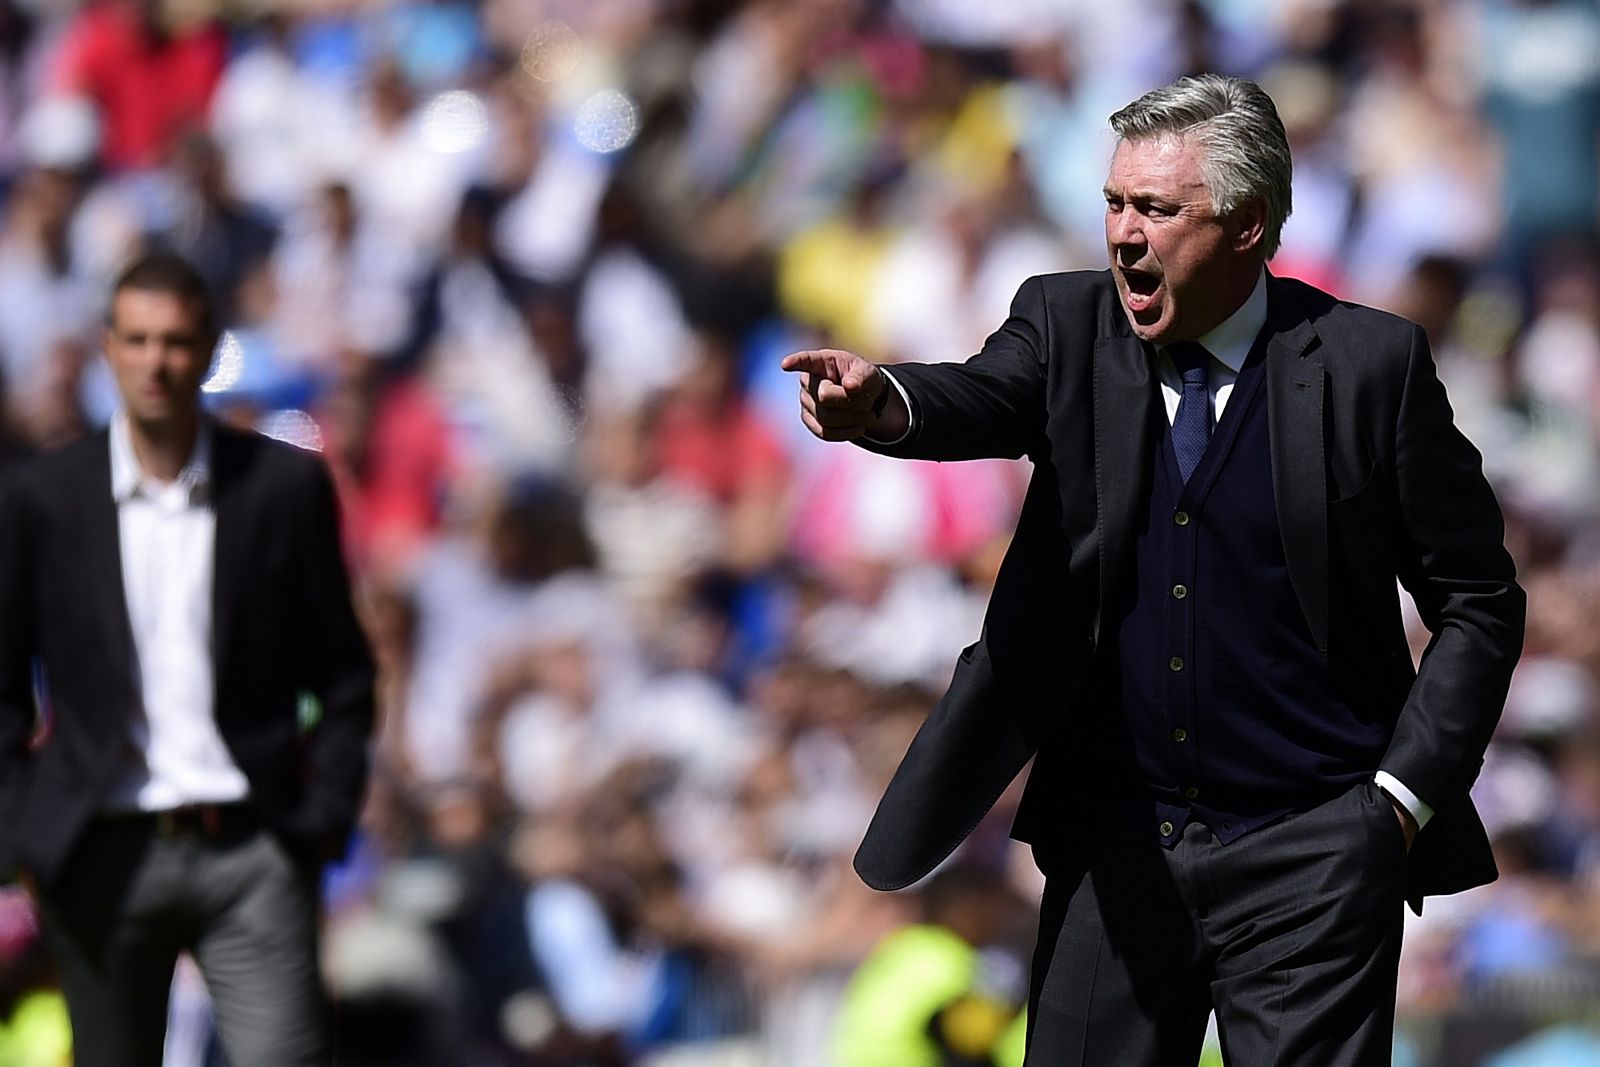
(1332, 315)
(66, 466)
(1060, 318)
(1355, 336)
(274, 461)
(1077, 285)
(1081, 303)
(88, 450)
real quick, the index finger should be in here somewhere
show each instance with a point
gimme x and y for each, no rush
(823, 361)
(802, 361)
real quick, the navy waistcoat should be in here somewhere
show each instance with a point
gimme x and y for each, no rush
(1215, 703)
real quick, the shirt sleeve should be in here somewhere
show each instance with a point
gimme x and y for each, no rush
(1396, 789)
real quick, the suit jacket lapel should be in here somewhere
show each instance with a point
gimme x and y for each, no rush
(103, 561)
(1295, 390)
(1124, 399)
(231, 552)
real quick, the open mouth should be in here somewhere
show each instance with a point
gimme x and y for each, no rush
(1142, 288)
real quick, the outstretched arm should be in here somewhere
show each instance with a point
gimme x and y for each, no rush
(993, 405)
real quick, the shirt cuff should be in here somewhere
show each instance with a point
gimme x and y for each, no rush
(1404, 797)
(911, 414)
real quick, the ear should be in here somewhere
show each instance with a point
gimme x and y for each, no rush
(1249, 225)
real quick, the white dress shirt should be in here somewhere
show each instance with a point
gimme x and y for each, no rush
(167, 538)
(1229, 344)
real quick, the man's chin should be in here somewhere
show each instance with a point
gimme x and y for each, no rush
(1150, 324)
(161, 416)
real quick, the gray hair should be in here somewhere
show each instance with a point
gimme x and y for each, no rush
(1235, 122)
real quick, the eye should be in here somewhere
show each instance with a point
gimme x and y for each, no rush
(1113, 203)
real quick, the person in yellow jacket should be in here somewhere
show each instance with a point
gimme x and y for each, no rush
(947, 992)
(37, 1033)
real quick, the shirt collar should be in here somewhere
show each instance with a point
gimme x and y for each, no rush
(1229, 342)
(128, 479)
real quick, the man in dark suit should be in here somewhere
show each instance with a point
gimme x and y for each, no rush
(176, 602)
(1196, 630)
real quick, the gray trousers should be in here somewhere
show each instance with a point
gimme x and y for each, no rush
(1291, 933)
(130, 899)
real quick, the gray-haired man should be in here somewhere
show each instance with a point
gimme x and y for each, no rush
(1196, 629)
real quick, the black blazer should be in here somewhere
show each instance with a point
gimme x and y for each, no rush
(282, 626)
(1373, 484)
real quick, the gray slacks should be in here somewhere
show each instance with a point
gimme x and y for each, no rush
(1291, 933)
(130, 899)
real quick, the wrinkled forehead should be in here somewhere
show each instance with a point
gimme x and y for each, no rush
(1164, 166)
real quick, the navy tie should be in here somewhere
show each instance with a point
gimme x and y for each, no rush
(1191, 428)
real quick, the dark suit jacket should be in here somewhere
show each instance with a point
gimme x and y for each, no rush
(1373, 483)
(282, 626)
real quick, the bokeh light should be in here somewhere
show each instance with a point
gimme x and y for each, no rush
(608, 121)
(551, 51)
(293, 427)
(227, 365)
(566, 412)
(455, 122)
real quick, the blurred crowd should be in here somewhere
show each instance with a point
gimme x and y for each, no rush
(522, 270)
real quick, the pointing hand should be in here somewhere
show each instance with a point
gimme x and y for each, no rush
(837, 393)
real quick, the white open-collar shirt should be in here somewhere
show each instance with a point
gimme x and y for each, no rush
(166, 535)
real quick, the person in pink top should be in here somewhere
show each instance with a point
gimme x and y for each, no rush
(150, 73)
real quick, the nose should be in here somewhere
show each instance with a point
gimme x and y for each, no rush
(1125, 235)
(155, 358)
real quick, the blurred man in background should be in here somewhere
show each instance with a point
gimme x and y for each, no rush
(177, 602)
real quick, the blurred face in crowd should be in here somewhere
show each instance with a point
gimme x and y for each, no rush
(1180, 268)
(159, 349)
